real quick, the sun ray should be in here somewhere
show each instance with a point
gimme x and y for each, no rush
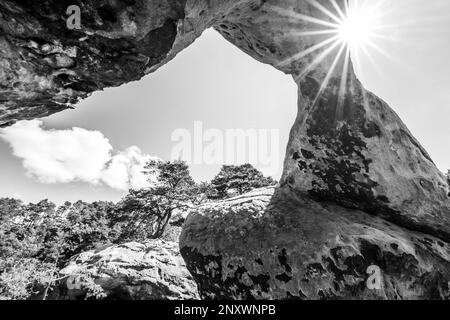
(356, 59)
(372, 61)
(338, 9)
(343, 87)
(352, 6)
(329, 74)
(299, 16)
(390, 26)
(309, 33)
(308, 51)
(387, 38)
(380, 50)
(318, 60)
(346, 7)
(317, 5)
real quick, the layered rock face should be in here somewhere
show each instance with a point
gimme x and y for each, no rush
(353, 173)
(137, 271)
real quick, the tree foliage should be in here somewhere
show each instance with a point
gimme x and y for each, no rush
(150, 209)
(232, 180)
(22, 242)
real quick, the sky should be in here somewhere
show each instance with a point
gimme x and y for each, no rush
(210, 92)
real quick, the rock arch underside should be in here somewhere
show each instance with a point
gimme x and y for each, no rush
(357, 188)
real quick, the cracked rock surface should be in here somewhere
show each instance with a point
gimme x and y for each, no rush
(137, 271)
(270, 245)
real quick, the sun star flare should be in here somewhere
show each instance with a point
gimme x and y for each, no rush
(352, 27)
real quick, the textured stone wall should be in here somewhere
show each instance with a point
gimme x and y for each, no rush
(270, 244)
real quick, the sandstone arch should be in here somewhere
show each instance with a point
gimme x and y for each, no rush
(357, 154)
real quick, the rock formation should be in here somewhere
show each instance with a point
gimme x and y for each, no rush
(353, 170)
(279, 246)
(152, 270)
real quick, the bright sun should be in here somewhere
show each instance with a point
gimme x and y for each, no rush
(352, 28)
(355, 25)
(355, 30)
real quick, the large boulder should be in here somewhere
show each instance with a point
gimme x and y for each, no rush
(138, 271)
(271, 244)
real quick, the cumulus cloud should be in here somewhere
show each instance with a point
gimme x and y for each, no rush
(77, 154)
